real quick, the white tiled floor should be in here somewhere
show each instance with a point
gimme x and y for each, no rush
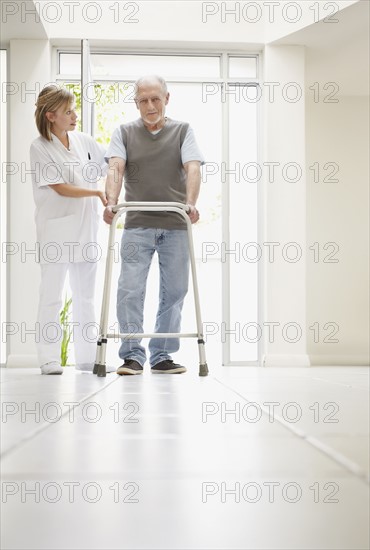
(160, 462)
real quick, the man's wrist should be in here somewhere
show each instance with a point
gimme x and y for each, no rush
(111, 201)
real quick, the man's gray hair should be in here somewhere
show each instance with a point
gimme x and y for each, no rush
(150, 79)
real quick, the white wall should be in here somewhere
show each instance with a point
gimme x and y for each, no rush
(29, 71)
(3, 196)
(339, 213)
(289, 17)
(283, 208)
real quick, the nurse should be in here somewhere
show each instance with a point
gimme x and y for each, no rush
(66, 166)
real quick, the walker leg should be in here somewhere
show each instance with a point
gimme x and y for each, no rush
(98, 355)
(101, 370)
(99, 367)
(203, 367)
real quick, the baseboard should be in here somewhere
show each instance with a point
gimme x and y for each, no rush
(22, 361)
(359, 360)
(281, 360)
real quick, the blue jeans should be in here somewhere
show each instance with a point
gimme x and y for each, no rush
(137, 249)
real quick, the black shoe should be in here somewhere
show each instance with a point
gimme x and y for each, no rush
(169, 367)
(130, 366)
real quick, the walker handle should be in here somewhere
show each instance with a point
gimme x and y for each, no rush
(139, 205)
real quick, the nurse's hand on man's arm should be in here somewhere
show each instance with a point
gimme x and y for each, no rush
(102, 197)
(67, 190)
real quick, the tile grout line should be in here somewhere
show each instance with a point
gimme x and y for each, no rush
(339, 383)
(45, 425)
(346, 463)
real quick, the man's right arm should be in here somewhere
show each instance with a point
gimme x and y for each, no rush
(113, 186)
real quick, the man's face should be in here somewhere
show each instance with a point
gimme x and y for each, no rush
(151, 102)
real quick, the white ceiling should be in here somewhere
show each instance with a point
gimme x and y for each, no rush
(17, 21)
(338, 52)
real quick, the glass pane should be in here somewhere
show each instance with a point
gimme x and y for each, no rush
(186, 103)
(114, 105)
(243, 250)
(169, 66)
(75, 88)
(132, 66)
(70, 64)
(242, 67)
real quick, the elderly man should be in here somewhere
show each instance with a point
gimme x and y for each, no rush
(160, 161)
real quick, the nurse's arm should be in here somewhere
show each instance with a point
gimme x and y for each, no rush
(113, 185)
(67, 190)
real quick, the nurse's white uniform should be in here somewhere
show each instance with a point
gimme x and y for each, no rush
(67, 232)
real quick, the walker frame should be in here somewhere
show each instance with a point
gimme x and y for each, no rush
(182, 209)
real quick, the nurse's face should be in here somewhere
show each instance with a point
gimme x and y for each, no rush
(63, 119)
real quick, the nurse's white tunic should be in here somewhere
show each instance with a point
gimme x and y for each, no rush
(65, 225)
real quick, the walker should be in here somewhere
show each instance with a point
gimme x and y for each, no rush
(100, 362)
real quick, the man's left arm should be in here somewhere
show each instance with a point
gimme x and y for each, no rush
(192, 170)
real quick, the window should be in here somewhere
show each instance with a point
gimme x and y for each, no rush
(242, 67)
(216, 94)
(125, 66)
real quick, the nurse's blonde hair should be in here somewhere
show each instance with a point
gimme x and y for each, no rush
(49, 100)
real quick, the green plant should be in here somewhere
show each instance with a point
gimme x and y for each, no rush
(66, 330)
(107, 107)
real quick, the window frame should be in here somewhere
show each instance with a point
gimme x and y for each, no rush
(223, 80)
(4, 204)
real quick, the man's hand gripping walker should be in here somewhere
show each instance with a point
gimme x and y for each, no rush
(100, 363)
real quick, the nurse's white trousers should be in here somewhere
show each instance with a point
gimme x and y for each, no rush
(82, 282)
